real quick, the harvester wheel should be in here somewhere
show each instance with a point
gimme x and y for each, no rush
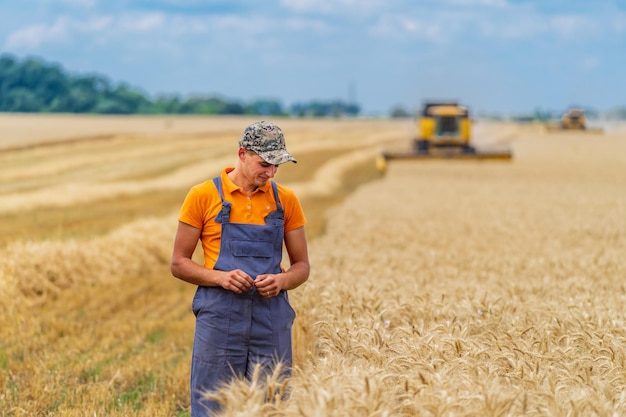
(469, 149)
(422, 146)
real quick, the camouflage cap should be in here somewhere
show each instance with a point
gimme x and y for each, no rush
(268, 141)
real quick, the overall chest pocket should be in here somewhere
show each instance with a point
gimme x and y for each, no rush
(251, 248)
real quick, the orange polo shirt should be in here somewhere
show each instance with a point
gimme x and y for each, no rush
(203, 204)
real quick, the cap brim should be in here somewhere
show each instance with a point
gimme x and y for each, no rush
(277, 159)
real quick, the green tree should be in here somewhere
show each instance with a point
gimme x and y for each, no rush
(167, 104)
(32, 85)
(265, 107)
(21, 99)
(399, 112)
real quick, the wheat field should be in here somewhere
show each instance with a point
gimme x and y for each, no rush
(438, 288)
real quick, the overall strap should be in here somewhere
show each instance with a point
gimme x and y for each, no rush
(224, 214)
(279, 207)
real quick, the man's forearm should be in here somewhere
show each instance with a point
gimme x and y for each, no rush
(296, 275)
(189, 271)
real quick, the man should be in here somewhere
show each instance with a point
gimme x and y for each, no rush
(242, 218)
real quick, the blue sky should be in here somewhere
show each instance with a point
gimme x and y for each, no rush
(496, 56)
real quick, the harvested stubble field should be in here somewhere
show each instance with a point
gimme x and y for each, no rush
(443, 288)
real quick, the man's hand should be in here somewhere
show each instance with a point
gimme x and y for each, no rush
(236, 281)
(268, 285)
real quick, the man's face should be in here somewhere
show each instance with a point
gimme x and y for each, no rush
(256, 170)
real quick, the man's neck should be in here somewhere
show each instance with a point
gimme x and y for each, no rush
(241, 182)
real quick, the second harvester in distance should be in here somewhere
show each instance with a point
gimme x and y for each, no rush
(574, 119)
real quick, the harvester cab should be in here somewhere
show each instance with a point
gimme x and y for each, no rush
(444, 132)
(443, 125)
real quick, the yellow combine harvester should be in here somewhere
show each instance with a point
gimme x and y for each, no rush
(573, 119)
(444, 133)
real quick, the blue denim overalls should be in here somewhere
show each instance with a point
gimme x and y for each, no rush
(234, 332)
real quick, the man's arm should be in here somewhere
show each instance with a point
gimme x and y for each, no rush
(184, 268)
(297, 249)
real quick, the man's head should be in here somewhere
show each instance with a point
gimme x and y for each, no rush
(266, 140)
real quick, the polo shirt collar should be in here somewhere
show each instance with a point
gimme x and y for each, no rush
(230, 187)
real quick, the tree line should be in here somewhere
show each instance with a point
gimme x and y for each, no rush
(33, 85)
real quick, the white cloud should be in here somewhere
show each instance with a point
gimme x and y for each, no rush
(590, 63)
(521, 26)
(399, 26)
(619, 22)
(65, 29)
(313, 25)
(478, 3)
(316, 5)
(501, 23)
(96, 24)
(62, 30)
(142, 23)
(181, 25)
(353, 7)
(32, 36)
(401, 21)
(86, 4)
(570, 26)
